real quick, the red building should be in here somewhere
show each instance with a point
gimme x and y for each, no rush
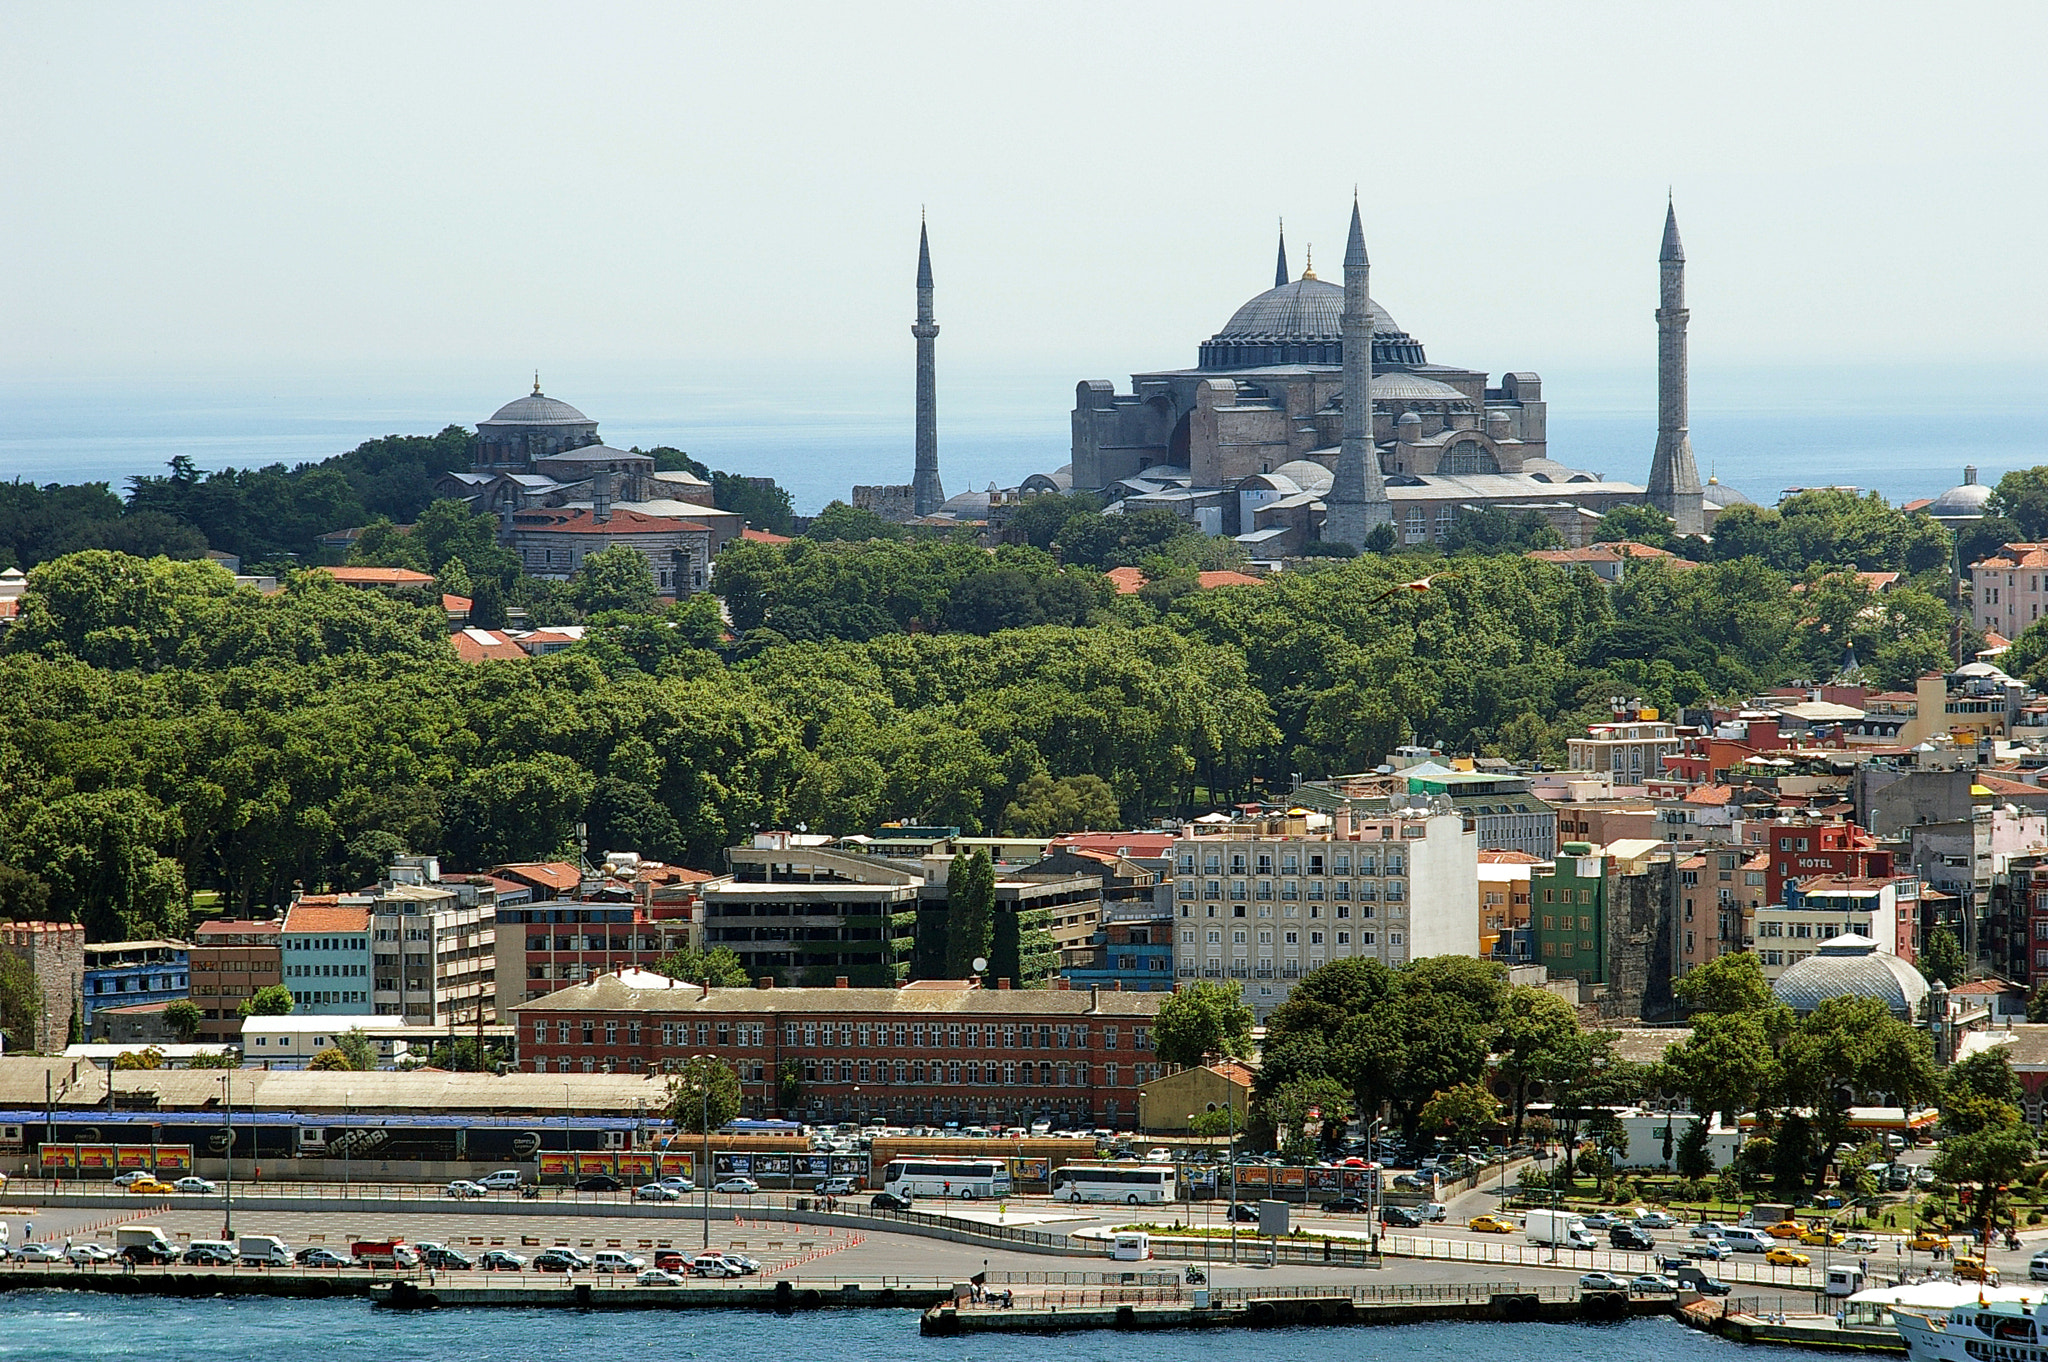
(935, 1052)
(1801, 851)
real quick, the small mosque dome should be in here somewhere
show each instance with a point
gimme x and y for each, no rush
(1851, 966)
(1719, 493)
(538, 409)
(1967, 500)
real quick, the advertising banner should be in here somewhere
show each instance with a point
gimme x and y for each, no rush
(58, 1156)
(1254, 1175)
(668, 1165)
(1324, 1179)
(593, 1163)
(95, 1156)
(1292, 1177)
(174, 1158)
(771, 1165)
(726, 1165)
(636, 1168)
(555, 1164)
(1029, 1170)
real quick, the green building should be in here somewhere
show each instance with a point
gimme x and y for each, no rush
(1568, 910)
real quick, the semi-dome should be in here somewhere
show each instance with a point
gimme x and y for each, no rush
(1851, 966)
(1721, 494)
(1307, 474)
(538, 409)
(1302, 322)
(1967, 500)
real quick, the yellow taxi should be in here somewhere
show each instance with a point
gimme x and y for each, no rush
(1490, 1224)
(1924, 1242)
(1822, 1236)
(1784, 1257)
(152, 1187)
(1786, 1229)
(1968, 1269)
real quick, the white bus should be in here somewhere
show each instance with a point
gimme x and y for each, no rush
(964, 1178)
(1132, 1183)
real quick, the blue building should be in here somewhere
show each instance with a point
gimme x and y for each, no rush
(121, 973)
(1133, 950)
(325, 947)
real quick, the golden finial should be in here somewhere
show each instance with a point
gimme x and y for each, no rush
(1308, 268)
(536, 383)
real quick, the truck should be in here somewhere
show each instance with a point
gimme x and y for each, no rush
(390, 1254)
(143, 1244)
(1692, 1279)
(1558, 1229)
(263, 1250)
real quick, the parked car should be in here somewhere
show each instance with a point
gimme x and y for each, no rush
(1602, 1281)
(747, 1264)
(560, 1258)
(321, 1257)
(1970, 1269)
(195, 1186)
(616, 1260)
(463, 1188)
(655, 1276)
(888, 1201)
(209, 1253)
(1860, 1243)
(654, 1191)
(504, 1180)
(836, 1187)
(1599, 1220)
(39, 1253)
(1344, 1205)
(713, 1264)
(500, 1260)
(737, 1186)
(1651, 1283)
(1159, 1154)
(1924, 1242)
(678, 1183)
(87, 1254)
(444, 1259)
(2037, 1267)
(599, 1182)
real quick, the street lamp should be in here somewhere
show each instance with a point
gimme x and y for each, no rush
(347, 1144)
(702, 1084)
(227, 1081)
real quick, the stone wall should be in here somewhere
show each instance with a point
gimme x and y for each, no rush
(56, 952)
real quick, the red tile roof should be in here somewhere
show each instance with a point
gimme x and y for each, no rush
(318, 917)
(1209, 581)
(485, 645)
(582, 521)
(765, 537)
(1127, 580)
(556, 875)
(2015, 556)
(1506, 856)
(377, 576)
(1710, 794)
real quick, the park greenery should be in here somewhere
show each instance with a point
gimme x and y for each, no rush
(168, 733)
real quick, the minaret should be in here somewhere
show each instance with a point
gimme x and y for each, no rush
(1357, 499)
(1674, 478)
(1280, 270)
(926, 495)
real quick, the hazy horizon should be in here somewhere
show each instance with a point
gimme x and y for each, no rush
(204, 192)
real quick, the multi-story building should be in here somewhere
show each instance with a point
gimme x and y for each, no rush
(949, 1052)
(1800, 849)
(231, 959)
(121, 973)
(325, 949)
(55, 952)
(794, 905)
(1568, 908)
(1266, 900)
(1132, 949)
(542, 946)
(1503, 898)
(2006, 591)
(1498, 807)
(1719, 891)
(1885, 910)
(433, 956)
(1631, 749)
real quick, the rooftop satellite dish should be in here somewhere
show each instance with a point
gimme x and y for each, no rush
(980, 963)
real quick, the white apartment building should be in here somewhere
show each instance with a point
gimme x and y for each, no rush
(1266, 900)
(1630, 751)
(1820, 909)
(434, 957)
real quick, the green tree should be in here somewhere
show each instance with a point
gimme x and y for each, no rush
(1301, 1115)
(227, 1057)
(841, 521)
(184, 1019)
(24, 896)
(617, 578)
(1534, 1024)
(1207, 1020)
(1726, 984)
(703, 1094)
(970, 912)
(1641, 523)
(101, 851)
(1461, 1114)
(1980, 1092)
(329, 1059)
(2037, 1003)
(1694, 1156)
(789, 1086)
(2022, 497)
(516, 810)
(357, 1049)
(149, 1057)
(1045, 807)
(1943, 958)
(719, 967)
(272, 1000)
(1988, 1162)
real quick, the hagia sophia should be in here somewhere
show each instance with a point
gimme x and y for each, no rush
(1251, 442)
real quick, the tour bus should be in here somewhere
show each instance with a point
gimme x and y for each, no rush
(1132, 1183)
(964, 1178)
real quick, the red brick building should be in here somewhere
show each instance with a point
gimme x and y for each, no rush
(923, 1053)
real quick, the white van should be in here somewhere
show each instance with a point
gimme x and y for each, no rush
(1744, 1239)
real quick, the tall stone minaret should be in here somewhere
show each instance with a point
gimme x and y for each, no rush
(926, 495)
(1280, 270)
(1357, 499)
(1674, 478)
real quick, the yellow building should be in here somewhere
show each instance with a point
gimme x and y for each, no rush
(1165, 1104)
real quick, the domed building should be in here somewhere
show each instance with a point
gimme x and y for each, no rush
(1968, 501)
(529, 428)
(1851, 966)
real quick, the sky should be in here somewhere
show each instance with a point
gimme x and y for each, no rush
(384, 196)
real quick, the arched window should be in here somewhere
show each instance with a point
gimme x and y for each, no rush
(1467, 456)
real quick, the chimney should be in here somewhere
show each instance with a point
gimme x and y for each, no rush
(1094, 998)
(1003, 984)
(706, 986)
(840, 982)
(765, 981)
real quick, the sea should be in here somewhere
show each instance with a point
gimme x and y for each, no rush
(54, 1326)
(1905, 432)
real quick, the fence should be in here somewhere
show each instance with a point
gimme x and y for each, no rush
(1588, 1260)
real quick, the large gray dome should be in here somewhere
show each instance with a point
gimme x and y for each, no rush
(537, 409)
(1969, 500)
(1851, 966)
(1302, 323)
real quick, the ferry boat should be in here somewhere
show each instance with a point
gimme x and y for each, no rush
(1981, 1330)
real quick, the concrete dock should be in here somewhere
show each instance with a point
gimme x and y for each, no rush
(1252, 1308)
